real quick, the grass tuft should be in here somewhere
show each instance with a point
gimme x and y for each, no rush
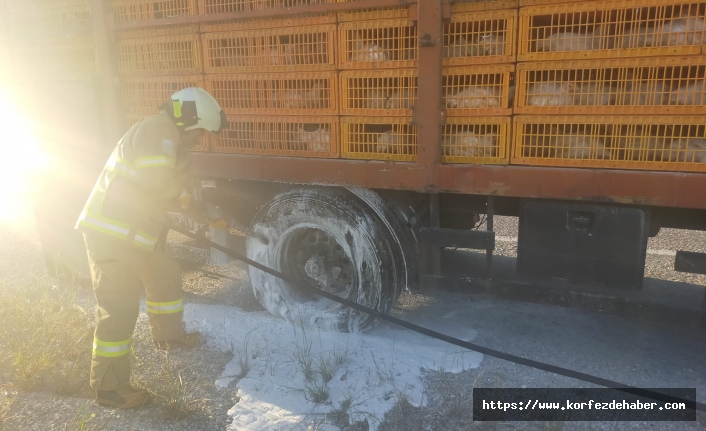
(318, 391)
(173, 391)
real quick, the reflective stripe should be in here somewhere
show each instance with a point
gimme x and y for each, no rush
(124, 168)
(107, 226)
(165, 307)
(145, 241)
(111, 349)
(155, 162)
(121, 166)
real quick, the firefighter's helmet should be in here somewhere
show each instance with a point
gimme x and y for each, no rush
(195, 108)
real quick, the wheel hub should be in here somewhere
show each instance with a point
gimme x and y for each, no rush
(314, 267)
(316, 256)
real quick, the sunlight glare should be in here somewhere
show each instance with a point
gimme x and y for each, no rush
(22, 159)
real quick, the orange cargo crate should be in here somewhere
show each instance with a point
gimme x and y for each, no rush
(378, 92)
(372, 14)
(302, 93)
(472, 6)
(132, 118)
(667, 143)
(226, 6)
(168, 55)
(276, 22)
(480, 38)
(279, 136)
(145, 94)
(60, 56)
(390, 43)
(146, 10)
(270, 50)
(477, 90)
(378, 138)
(667, 85)
(608, 29)
(478, 140)
(34, 18)
(162, 30)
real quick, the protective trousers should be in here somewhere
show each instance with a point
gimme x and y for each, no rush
(118, 272)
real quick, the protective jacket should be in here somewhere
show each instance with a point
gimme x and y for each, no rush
(146, 170)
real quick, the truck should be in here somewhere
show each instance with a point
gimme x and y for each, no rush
(365, 136)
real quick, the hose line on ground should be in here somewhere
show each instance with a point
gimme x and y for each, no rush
(691, 404)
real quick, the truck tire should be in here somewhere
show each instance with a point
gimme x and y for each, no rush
(329, 239)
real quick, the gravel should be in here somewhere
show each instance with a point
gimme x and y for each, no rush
(647, 354)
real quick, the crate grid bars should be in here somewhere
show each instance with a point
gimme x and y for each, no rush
(295, 93)
(610, 29)
(31, 18)
(480, 38)
(666, 85)
(126, 11)
(306, 48)
(479, 140)
(275, 22)
(373, 14)
(302, 136)
(167, 55)
(388, 43)
(378, 138)
(378, 92)
(131, 118)
(473, 6)
(162, 30)
(660, 143)
(227, 6)
(145, 94)
(477, 90)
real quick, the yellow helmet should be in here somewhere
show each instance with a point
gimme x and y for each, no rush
(195, 108)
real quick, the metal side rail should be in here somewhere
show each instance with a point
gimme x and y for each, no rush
(691, 404)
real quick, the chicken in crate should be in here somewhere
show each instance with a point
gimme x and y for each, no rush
(378, 138)
(476, 140)
(666, 85)
(381, 92)
(624, 142)
(285, 136)
(480, 38)
(610, 29)
(377, 44)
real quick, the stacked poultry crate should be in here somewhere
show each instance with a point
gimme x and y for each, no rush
(276, 80)
(378, 59)
(155, 62)
(616, 84)
(479, 54)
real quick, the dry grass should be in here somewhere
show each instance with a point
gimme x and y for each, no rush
(173, 390)
(47, 338)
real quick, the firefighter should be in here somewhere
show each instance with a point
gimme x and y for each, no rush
(123, 228)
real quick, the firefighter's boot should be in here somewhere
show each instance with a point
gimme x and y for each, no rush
(125, 397)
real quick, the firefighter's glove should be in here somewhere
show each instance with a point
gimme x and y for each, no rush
(219, 224)
(184, 199)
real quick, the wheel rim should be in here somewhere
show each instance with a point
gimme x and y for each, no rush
(315, 257)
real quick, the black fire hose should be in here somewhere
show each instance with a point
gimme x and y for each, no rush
(646, 393)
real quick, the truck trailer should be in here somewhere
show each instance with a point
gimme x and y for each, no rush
(365, 136)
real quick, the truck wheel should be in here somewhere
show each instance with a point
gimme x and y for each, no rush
(329, 239)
